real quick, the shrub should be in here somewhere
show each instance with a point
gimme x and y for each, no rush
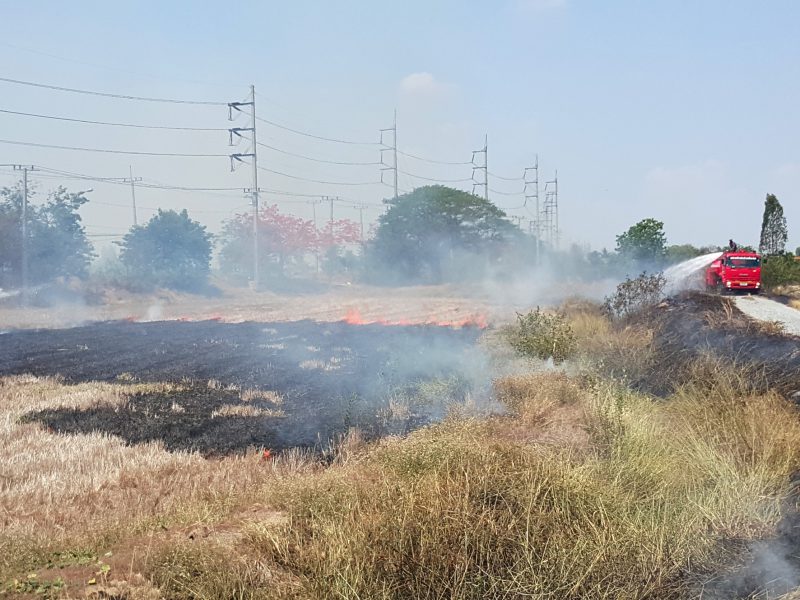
(632, 295)
(780, 270)
(542, 335)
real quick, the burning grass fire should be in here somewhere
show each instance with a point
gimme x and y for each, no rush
(353, 317)
(138, 458)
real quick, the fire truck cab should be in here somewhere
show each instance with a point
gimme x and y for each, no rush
(735, 271)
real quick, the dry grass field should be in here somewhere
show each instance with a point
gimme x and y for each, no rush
(584, 488)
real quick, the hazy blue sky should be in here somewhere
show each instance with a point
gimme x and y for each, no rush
(683, 111)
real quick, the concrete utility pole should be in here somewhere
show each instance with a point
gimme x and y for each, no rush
(532, 194)
(253, 155)
(360, 207)
(133, 181)
(482, 167)
(24, 227)
(313, 204)
(393, 148)
(550, 212)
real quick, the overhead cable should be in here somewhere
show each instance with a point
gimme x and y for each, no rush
(320, 160)
(107, 95)
(72, 120)
(109, 151)
(436, 180)
(506, 193)
(316, 137)
(317, 180)
(507, 178)
(431, 160)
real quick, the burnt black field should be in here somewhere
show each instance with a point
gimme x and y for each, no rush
(330, 376)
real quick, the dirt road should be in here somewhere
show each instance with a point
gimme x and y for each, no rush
(764, 309)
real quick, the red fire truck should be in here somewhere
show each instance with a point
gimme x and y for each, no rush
(735, 271)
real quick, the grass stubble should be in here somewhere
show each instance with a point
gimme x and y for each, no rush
(583, 489)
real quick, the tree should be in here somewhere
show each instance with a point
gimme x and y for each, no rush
(57, 243)
(282, 239)
(773, 228)
(434, 225)
(171, 251)
(680, 252)
(643, 242)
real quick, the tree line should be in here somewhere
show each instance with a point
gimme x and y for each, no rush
(433, 234)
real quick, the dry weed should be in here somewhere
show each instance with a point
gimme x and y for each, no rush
(533, 397)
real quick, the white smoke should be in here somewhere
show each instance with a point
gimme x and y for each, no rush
(688, 275)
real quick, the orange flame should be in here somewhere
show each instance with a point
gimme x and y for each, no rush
(353, 317)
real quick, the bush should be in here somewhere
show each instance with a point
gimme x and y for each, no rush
(542, 335)
(780, 270)
(632, 295)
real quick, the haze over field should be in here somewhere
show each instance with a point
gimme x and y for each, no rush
(640, 107)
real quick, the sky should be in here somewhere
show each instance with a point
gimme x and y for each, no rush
(686, 112)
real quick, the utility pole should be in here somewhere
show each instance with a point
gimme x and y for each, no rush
(557, 230)
(393, 148)
(132, 181)
(313, 204)
(253, 156)
(532, 193)
(360, 207)
(24, 227)
(482, 167)
(550, 211)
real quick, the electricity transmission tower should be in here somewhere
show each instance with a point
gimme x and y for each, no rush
(393, 149)
(481, 167)
(253, 156)
(531, 178)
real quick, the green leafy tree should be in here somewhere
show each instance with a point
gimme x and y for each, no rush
(171, 251)
(774, 232)
(435, 226)
(643, 242)
(57, 242)
(680, 252)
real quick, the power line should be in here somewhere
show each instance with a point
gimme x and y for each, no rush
(107, 95)
(118, 180)
(317, 180)
(316, 137)
(109, 151)
(320, 160)
(89, 122)
(110, 68)
(507, 178)
(494, 191)
(394, 167)
(436, 180)
(431, 160)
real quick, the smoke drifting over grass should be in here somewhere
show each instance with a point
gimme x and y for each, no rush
(331, 377)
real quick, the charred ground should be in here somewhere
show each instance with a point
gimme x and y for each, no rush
(693, 325)
(276, 385)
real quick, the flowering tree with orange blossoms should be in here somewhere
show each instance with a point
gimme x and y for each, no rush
(282, 238)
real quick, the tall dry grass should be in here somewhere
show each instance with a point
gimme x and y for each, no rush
(454, 511)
